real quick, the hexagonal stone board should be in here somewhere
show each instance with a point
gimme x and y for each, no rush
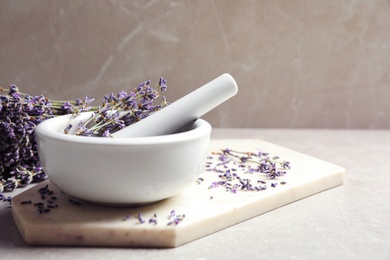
(196, 212)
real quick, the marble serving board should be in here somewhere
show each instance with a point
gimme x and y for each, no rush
(203, 208)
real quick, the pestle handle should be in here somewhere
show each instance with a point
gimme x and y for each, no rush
(185, 110)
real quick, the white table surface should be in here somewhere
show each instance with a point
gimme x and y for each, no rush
(347, 222)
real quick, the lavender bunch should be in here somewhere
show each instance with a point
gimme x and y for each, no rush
(20, 113)
(121, 110)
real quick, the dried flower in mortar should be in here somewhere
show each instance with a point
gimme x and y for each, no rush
(117, 112)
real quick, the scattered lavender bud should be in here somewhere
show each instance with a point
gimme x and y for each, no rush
(74, 202)
(213, 185)
(199, 180)
(140, 219)
(39, 205)
(5, 199)
(43, 210)
(230, 164)
(153, 220)
(175, 219)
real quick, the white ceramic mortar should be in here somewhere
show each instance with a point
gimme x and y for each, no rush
(121, 171)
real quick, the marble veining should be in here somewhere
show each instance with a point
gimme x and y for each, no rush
(298, 64)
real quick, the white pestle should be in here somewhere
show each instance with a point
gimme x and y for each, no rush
(184, 111)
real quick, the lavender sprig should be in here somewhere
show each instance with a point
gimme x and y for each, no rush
(123, 109)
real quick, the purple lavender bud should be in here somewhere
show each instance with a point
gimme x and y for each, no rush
(13, 89)
(67, 128)
(106, 134)
(244, 159)
(15, 95)
(67, 107)
(153, 220)
(122, 95)
(162, 84)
